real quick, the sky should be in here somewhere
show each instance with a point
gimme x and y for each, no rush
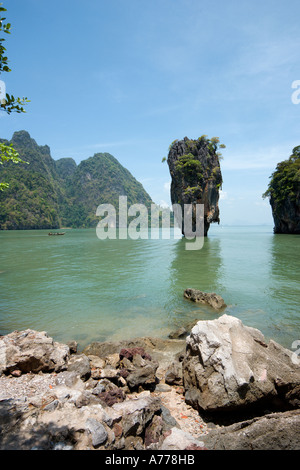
(130, 77)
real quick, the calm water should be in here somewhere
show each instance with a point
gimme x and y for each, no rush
(79, 287)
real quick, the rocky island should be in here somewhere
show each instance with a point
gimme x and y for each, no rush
(222, 387)
(196, 177)
(284, 194)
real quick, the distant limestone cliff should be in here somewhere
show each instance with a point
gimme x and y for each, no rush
(48, 193)
(284, 194)
(196, 177)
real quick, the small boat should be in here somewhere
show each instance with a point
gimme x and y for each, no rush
(56, 233)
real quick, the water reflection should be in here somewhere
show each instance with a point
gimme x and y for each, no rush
(284, 286)
(199, 269)
(285, 264)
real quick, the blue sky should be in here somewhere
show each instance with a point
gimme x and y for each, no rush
(129, 77)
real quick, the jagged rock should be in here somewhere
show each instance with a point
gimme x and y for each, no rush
(96, 362)
(174, 374)
(112, 396)
(143, 376)
(229, 366)
(177, 439)
(112, 360)
(136, 414)
(73, 345)
(109, 373)
(130, 353)
(287, 218)
(277, 431)
(32, 351)
(97, 431)
(169, 420)
(154, 431)
(181, 332)
(80, 364)
(70, 379)
(137, 368)
(196, 178)
(86, 398)
(213, 300)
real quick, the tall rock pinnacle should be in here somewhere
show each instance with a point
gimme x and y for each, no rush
(196, 177)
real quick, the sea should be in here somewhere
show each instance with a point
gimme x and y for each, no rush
(79, 287)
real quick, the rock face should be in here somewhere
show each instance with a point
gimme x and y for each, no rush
(229, 367)
(196, 179)
(277, 431)
(284, 194)
(287, 216)
(213, 300)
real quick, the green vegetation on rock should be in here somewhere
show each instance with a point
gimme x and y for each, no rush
(285, 181)
(196, 176)
(284, 194)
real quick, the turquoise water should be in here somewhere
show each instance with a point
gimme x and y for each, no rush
(79, 287)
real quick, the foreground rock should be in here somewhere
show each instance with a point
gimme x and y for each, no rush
(229, 367)
(31, 351)
(213, 300)
(277, 431)
(84, 402)
(130, 395)
(66, 423)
